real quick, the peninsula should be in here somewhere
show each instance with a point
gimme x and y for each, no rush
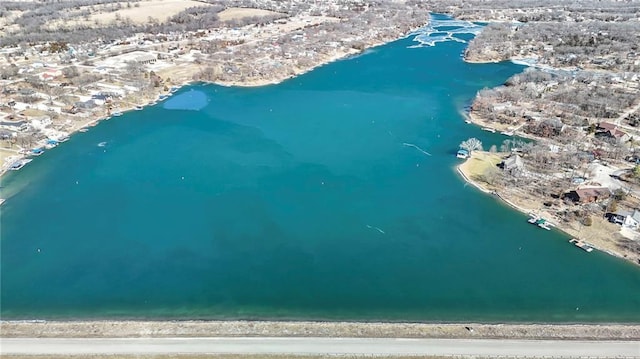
(578, 103)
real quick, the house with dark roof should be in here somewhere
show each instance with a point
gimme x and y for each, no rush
(588, 194)
(610, 130)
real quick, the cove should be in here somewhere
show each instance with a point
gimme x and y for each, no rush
(330, 196)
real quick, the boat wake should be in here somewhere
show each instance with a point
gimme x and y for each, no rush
(443, 30)
(416, 147)
(376, 228)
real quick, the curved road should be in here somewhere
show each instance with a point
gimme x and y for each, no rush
(330, 346)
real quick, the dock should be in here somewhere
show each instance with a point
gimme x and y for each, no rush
(540, 222)
(580, 244)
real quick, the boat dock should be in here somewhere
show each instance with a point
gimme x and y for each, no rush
(19, 164)
(540, 222)
(580, 244)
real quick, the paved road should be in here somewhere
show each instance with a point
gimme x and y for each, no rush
(336, 346)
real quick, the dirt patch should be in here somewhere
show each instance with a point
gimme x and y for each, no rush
(32, 112)
(139, 13)
(5, 154)
(135, 329)
(480, 163)
(233, 13)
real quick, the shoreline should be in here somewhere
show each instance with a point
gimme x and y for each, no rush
(182, 81)
(248, 328)
(558, 225)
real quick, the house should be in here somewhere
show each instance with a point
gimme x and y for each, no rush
(588, 194)
(512, 164)
(610, 130)
(628, 219)
(145, 59)
(632, 220)
(86, 105)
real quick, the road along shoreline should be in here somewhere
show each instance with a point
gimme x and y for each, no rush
(322, 346)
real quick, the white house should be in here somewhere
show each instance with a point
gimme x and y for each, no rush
(632, 220)
(41, 122)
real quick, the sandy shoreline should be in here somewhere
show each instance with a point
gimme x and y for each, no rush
(136, 329)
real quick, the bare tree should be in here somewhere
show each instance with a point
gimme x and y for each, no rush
(472, 144)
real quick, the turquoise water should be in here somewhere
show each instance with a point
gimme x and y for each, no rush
(300, 200)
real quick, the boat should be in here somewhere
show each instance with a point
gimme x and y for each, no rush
(464, 154)
(580, 244)
(489, 129)
(117, 113)
(2, 201)
(506, 133)
(84, 129)
(139, 108)
(467, 121)
(534, 218)
(36, 151)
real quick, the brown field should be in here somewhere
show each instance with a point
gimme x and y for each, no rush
(239, 13)
(5, 153)
(160, 10)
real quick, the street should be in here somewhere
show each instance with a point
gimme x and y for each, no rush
(317, 346)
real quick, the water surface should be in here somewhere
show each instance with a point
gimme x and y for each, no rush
(330, 196)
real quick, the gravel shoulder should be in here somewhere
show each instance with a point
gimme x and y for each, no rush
(139, 329)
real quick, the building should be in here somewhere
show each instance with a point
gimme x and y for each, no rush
(610, 130)
(145, 59)
(588, 194)
(513, 164)
(628, 219)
